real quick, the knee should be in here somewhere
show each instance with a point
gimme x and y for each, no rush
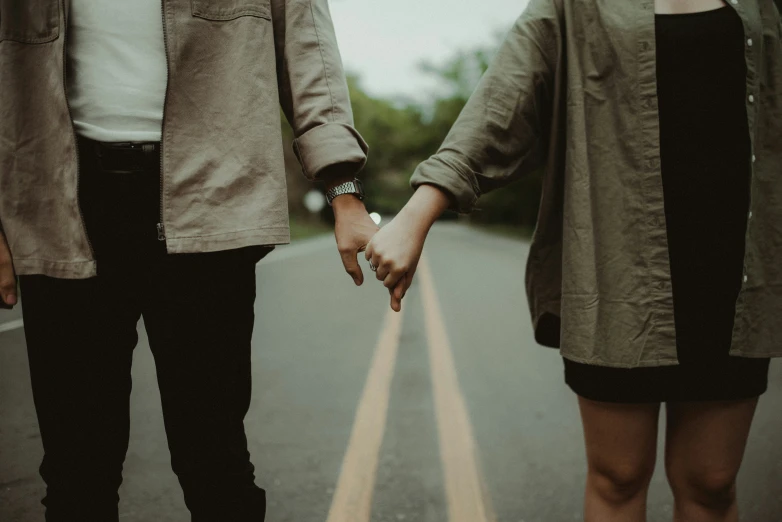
(714, 490)
(619, 484)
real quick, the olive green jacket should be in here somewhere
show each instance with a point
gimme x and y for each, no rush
(574, 89)
(231, 64)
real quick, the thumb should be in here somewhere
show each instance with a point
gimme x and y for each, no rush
(8, 291)
(350, 261)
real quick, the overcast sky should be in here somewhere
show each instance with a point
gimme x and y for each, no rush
(384, 40)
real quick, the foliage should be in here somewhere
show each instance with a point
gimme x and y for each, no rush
(402, 133)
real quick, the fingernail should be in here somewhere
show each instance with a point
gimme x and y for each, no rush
(11, 300)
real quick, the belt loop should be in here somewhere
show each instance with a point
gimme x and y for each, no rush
(148, 148)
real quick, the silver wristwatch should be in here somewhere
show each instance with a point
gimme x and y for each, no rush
(350, 187)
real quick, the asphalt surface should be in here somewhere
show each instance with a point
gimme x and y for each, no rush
(320, 398)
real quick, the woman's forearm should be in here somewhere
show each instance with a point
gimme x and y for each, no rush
(426, 205)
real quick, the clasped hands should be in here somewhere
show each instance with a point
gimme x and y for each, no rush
(393, 251)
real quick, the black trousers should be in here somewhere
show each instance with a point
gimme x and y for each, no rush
(198, 310)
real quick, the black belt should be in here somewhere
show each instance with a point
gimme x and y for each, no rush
(123, 156)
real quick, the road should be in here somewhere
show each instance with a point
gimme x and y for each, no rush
(448, 412)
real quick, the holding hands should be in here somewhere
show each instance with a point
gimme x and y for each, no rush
(395, 250)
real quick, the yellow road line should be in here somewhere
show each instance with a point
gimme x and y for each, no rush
(463, 486)
(352, 500)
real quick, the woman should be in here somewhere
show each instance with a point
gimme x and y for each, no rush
(656, 264)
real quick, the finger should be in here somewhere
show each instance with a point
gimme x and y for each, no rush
(8, 289)
(393, 277)
(396, 296)
(350, 261)
(8, 293)
(401, 287)
(382, 272)
(368, 251)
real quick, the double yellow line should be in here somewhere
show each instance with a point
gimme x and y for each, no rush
(464, 490)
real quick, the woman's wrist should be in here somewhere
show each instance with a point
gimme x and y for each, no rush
(426, 205)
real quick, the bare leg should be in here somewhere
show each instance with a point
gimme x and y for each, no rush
(704, 449)
(621, 446)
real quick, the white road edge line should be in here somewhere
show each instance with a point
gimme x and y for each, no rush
(11, 325)
(464, 488)
(352, 500)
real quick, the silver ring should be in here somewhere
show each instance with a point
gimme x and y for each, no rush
(372, 267)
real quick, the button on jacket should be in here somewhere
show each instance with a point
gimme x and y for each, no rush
(573, 90)
(231, 64)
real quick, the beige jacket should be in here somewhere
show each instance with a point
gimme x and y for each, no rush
(231, 64)
(574, 90)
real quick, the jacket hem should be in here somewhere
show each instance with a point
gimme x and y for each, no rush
(748, 355)
(229, 241)
(59, 269)
(652, 363)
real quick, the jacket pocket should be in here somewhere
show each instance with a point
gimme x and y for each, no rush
(29, 21)
(230, 9)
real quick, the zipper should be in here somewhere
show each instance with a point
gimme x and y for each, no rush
(66, 16)
(161, 229)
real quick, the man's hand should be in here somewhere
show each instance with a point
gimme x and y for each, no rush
(8, 292)
(353, 230)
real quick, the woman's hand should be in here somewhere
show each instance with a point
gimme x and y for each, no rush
(396, 248)
(395, 251)
(8, 294)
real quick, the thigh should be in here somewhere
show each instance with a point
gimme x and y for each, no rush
(200, 319)
(80, 339)
(621, 438)
(707, 439)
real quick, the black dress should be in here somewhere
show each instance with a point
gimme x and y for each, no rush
(706, 168)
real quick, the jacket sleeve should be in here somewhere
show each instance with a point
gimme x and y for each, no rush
(313, 89)
(501, 133)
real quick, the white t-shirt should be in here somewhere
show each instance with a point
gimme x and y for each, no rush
(117, 69)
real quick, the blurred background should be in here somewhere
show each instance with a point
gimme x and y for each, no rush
(412, 66)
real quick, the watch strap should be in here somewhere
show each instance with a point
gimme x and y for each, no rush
(349, 187)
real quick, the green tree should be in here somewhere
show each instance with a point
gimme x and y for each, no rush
(402, 133)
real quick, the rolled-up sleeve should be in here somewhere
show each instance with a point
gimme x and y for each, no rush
(501, 133)
(313, 89)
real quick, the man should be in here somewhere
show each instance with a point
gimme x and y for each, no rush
(141, 174)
